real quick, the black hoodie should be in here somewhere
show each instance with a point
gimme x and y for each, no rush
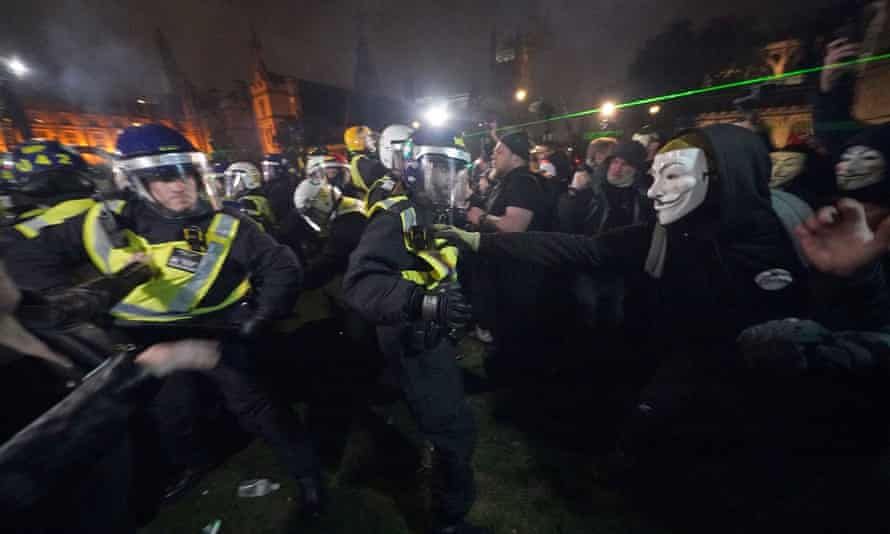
(729, 264)
(816, 182)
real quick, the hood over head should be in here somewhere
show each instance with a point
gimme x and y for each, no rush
(861, 171)
(739, 167)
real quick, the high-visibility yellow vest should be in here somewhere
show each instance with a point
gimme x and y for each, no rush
(441, 259)
(349, 205)
(357, 179)
(174, 293)
(263, 211)
(36, 220)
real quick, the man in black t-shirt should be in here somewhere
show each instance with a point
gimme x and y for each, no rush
(517, 204)
(524, 329)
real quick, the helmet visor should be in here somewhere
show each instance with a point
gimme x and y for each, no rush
(143, 171)
(443, 180)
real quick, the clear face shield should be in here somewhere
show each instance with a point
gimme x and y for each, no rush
(336, 174)
(233, 184)
(443, 177)
(178, 168)
(400, 155)
(271, 170)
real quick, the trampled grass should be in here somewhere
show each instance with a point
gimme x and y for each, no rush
(541, 468)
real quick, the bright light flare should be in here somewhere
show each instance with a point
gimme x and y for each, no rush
(521, 95)
(655, 110)
(17, 67)
(437, 115)
(608, 109)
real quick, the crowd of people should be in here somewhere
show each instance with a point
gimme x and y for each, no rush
(742, 286)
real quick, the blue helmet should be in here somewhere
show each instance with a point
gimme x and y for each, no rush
(154, 152)
(41, 167)
(277, 166)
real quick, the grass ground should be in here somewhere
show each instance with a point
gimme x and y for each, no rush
(540, 463)
(525, 485)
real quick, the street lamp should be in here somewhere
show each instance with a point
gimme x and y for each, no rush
(520, 95)
(437, 115)
(607, 110)
(17, 67)
(655, 110)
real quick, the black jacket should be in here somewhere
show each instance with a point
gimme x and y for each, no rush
(374, 285)
(717, 258)
(46, 262)
(71, 434)
(594, 210)
(344, 236)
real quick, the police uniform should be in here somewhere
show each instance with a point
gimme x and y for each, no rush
(386, 273)
(208, 265)
(364, 171)
(47, 184)
(28, 224)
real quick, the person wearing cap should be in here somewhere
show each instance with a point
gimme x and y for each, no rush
(561, 166)
(620, 201)
(518, 204)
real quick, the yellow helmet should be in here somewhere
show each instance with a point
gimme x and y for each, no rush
(356, 138)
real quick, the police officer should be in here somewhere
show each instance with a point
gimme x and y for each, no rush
(242, 184)
(214, 267)
(400, 280)
(47, 184)
(364, 166)
(336, 218)
(280, 177)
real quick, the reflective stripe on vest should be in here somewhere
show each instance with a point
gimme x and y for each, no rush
(96, 238)
(175, 293)
(262, 207)
(386, 205)
(357, 179)
(53, 216)
(442, 259)
(349, 205)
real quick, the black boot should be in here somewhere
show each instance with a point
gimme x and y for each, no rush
(313, 497)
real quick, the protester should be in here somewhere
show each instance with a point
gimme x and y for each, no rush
(715, 224)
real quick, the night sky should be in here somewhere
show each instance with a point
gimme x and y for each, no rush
(90, 49)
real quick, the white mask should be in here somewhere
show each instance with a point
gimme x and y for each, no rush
(860, 166)
(786, 167)
(681, 183)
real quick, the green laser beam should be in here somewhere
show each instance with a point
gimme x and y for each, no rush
(693, 92)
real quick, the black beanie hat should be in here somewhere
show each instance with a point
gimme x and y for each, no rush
(632, 152)
(518, 144)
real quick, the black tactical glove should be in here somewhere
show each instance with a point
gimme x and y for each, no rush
(255, 325)
(439, 313)
(83, 303)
